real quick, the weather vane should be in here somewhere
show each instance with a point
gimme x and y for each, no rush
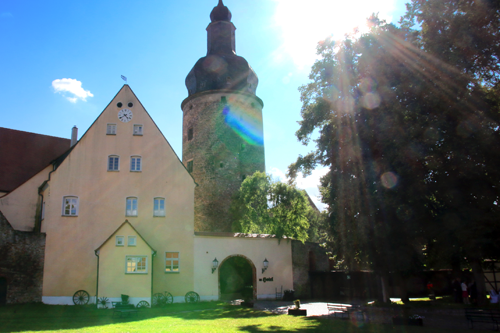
(124, 78)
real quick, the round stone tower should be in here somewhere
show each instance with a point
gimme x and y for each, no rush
(222, 127)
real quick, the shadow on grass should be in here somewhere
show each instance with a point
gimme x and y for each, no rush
(38, 317)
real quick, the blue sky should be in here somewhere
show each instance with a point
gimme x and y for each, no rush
(44, 44)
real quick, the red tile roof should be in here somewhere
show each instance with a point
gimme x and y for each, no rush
(24, 154)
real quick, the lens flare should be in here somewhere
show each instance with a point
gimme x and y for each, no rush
(389, 179)
(244, 121)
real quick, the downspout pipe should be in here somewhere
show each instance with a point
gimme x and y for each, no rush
(97, 281)
(153, 254)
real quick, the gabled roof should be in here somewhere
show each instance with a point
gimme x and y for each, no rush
(125, 86)
(24, 154)
(121, 225)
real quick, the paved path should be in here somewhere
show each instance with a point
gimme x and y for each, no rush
(451, 319)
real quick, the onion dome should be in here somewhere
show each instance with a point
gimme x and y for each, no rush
(221, 68)
(220, 13)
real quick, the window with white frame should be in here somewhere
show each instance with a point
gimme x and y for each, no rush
(172, 262)
(113, 163)
(159, 207)
(132, 241)
(137, 129)
(70, 206)
(131, 209)
(119, 241)
(111, 129)
(136, 264)
(135, 163)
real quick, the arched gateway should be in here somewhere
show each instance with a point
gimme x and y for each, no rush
(237, 278)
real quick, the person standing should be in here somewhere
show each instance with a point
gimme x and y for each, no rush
(465, 294)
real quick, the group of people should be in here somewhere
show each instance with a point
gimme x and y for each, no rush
(464, 292)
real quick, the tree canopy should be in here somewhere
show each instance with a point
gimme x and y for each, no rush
(407, 117)
(270, 207)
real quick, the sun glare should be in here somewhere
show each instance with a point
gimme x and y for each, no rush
(305, 23)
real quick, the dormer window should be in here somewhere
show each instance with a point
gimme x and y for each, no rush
(137, 129)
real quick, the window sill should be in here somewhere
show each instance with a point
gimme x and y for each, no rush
(139, 273)
(110, 134)
(131, 245)
(172, 272)
(137, 134)
(158, 215)
(69, 215)
(131, 215)
(113, 170)
(135, 171)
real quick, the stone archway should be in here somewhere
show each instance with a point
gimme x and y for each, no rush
(237, 277)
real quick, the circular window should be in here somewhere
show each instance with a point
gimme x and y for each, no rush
(119, 104)
(130, 104)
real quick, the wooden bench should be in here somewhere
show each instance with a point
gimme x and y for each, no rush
(120, 308)
(342, 311)
(482, 315)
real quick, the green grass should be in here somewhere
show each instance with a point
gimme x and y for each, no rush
(200, 317)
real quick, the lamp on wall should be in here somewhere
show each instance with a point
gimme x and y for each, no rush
(265, 264)
(215, 264)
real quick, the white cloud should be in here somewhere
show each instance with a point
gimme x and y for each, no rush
(309, 183)
(73, 88)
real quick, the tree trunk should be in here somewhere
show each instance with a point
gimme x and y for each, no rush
(477, 271)
(402, 288)
(383, 296)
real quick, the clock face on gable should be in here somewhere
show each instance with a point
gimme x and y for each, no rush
(125, 115)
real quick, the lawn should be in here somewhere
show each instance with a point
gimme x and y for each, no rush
(200, 317)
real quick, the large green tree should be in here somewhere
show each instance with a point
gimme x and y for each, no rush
(406, 118)
(271, 207)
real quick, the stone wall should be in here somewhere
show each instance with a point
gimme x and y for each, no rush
(21, 263)
(307, 257)
(223, 141)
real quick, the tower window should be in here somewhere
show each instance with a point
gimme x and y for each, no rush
(223, 100)
(190, 166)
(190, 134)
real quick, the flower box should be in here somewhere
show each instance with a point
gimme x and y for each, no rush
(297, 312)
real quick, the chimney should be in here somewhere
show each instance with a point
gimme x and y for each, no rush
(74, 135)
